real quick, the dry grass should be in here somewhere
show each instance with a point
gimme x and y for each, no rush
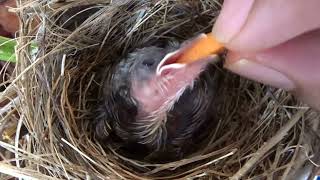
(263, 133)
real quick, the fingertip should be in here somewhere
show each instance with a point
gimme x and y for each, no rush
(260, 73)
(273, 22)
(292, 66)
(232, 17)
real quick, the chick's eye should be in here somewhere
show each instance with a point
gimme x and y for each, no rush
(148, 62)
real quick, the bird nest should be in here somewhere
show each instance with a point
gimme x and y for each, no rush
(262, 132)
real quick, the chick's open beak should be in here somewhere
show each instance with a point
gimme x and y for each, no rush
(193, 56)
(170, 65)
(183, 71)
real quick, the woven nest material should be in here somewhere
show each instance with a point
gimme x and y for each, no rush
(262, 132)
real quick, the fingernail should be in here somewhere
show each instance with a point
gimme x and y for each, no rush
(231, 19)
(260, 73)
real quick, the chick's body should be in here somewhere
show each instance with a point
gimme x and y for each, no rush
(166, 114)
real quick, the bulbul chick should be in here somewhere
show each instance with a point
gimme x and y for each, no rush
(164, 106)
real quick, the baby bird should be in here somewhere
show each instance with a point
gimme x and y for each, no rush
(160, 105)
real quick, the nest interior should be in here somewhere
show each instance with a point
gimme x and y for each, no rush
(261, 132)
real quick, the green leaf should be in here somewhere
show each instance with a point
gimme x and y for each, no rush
(7, 52)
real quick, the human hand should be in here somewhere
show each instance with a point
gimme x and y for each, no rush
(9, 22)
(276, 42)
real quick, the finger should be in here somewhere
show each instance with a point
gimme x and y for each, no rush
(265, 24)
(293, 66)
(232, 17)
(4, 33)
(8, 20)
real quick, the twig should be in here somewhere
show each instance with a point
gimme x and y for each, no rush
(16, 142)
(81, 153)
(267, 146)
(85, 156)
(63, 64)
(12, 104)
(21, 173)
(7, 169)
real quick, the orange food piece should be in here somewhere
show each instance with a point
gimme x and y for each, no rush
(200, 48)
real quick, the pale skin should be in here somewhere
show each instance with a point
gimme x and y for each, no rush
(276, 42)
(8, 21)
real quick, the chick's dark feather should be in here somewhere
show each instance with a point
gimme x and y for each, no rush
(183, 126)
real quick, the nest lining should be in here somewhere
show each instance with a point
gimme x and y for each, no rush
(262, 132)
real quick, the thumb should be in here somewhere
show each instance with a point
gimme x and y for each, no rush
(252, 25)
(293, 66)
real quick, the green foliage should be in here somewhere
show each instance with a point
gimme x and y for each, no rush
(7, 49)
(7, 52)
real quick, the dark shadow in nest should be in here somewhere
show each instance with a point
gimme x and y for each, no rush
(103, 68)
